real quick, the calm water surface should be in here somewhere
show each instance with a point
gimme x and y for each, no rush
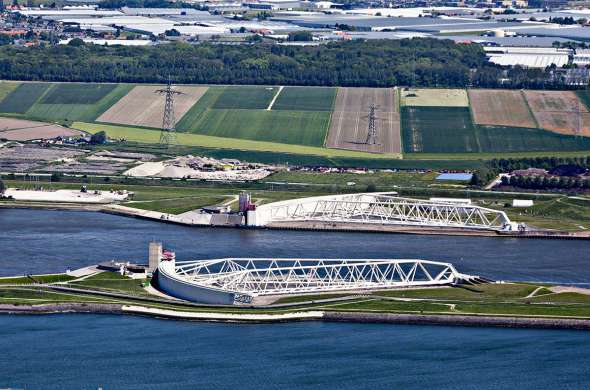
(37, 241)
(122, 352)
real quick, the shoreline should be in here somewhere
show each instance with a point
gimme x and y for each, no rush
(494, 321)
(115, 209)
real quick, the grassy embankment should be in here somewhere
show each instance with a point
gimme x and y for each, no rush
(488, 299)
(552, 211)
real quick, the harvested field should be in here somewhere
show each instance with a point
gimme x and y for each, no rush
(142, 106)
(434, 97)
(23, 130)
(305, 99)
(350, 120)
(559, 111)
(23, 97)
(500, 108)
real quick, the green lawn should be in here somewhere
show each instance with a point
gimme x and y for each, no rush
(383, 179)
(450, 130)
(483, 292)
(112, 281)
(152, 137)
(287, 127)
(76, 93)
(305, 99)
(245, 97)
(179, 205)
(40, 278)
(23, 97)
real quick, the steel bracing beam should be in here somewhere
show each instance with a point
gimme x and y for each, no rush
(385, 209)
(255, 277)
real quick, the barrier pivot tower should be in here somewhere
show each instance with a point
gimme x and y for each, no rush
(167, 135)
(372, 135)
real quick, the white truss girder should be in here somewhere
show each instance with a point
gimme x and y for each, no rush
(383, 208)
(256, 277)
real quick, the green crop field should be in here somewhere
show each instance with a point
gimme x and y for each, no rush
(77, 93)
(190, 120)
(436, 129)
(584, 97)
(450, 130)
(289, 127)
(23, 97)
(6, 87)
(67, 113)
(247, 98)
(305, 99)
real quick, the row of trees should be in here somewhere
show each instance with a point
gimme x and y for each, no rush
(547, 182)
(494, 167)
(548, 163)
(414, 62)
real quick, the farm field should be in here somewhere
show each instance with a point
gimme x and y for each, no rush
(450, 130)
(417, 97)
(143, 106)
(305, 99)
(78, 110)
(296, 126)
(350, 120)
(289, 127)
(500, 108)
(6, 87)
(23, 130)
(76, 93)
(438, 129)
(152, 136)
(314, 121)
(23, 97)
(245, 98)
(557, 111)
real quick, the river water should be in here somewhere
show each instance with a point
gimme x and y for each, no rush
(80, 351)
(39, 241)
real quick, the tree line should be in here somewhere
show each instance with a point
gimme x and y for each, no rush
(545, 182)
(420, 62)
(494, 167)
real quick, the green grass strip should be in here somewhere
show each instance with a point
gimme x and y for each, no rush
(153, 136)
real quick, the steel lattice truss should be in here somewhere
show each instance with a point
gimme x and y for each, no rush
(255, 277)
(385, 209)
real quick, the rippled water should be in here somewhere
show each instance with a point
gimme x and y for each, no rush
(91, 351)
(121, 352)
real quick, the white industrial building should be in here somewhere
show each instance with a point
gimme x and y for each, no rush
(529, 57)
(582, 57)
